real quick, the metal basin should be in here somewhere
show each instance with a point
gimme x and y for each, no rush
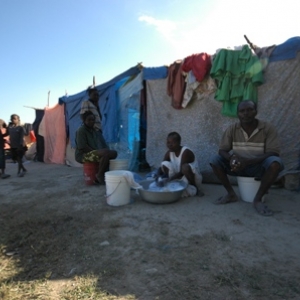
(160, 197)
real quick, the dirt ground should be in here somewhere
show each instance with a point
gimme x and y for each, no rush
(60, 240)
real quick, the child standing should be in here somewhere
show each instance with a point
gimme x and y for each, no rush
(16, 137)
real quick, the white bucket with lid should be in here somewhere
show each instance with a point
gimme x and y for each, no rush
(118, 164)
(248, 188)
(117, 188)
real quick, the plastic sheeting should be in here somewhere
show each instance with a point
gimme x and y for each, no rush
(286, 50)
(201, 124)
(53, 129)
(108, 106)
(40, 145)
(129, 121)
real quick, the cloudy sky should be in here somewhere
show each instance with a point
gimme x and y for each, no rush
(59, 45)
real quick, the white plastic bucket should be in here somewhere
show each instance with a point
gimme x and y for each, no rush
(248, 188)
(118, 164)
(117, 188)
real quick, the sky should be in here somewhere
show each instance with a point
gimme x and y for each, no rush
(52, 47)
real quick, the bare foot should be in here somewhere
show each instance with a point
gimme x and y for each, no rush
(100, 180)
(262, 209)
(200, 193)
(227, 199)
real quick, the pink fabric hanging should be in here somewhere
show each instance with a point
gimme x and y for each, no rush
(54, 132)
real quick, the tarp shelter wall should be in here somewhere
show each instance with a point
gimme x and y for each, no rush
(40, 147)
(129, 120)
(201, 124)
(279, 103)
(123, 90)
(109, 106)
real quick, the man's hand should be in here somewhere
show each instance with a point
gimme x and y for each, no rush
(162, 181)
(237, 163)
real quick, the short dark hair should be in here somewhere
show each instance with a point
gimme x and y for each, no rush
(175, 135)
(249, 101)
(14, 115)
(86, 114)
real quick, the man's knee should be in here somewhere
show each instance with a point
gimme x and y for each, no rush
(113, 154)
(164, 169)
(273, 163)
(275, 167)
(186, 169)
(217, 161)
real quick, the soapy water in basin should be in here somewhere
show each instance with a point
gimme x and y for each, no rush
(170, 187)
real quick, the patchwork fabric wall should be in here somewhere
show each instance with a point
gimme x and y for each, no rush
(201, 124)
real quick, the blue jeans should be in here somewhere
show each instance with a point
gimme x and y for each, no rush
(256, 170)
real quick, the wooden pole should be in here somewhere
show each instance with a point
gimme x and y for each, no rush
(31, 107)
(48, 99)
(253, 47)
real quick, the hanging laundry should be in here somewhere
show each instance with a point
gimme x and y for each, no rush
(176, 84)
(206, 87)
(191, 85)
(238, 74)
(264, 54)
(199, 63)
(196, 66)
(197, 90)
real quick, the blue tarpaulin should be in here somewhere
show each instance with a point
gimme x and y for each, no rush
(155, 73)
(108, 106)
(286, 50)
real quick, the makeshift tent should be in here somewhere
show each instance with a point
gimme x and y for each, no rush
(120, 106)
(138, 97)
(40, 147)
(201, 124)
(109, 106)
(107, 102)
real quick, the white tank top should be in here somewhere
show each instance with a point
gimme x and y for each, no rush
(176, 160)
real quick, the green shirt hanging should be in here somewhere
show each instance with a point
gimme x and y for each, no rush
(238, 74)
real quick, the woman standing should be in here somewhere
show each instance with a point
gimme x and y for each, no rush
(3, 133)
(17, 144)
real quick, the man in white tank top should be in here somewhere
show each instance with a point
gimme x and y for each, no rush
(180, 163)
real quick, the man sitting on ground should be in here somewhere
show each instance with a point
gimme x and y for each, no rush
(88, 141)
(249, 148)
(180, 163)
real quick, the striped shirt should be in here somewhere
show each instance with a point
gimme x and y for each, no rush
(263, 139)
(88, 105)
